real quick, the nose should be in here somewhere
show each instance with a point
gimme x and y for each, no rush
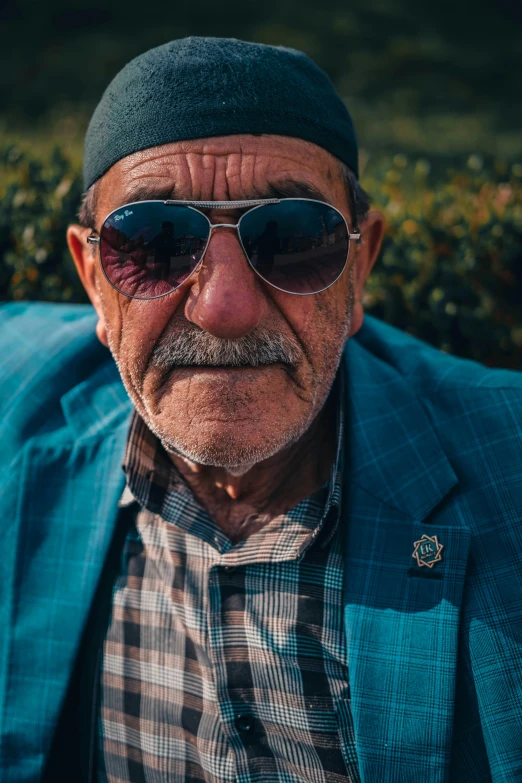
(226, 298)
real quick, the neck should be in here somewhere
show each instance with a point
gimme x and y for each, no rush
(242, 504)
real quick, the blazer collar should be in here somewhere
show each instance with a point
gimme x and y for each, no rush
(394, 452)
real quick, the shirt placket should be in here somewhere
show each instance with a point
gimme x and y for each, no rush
(241, 726)
(228, 568)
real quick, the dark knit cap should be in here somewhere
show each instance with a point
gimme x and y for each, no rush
(199, 87)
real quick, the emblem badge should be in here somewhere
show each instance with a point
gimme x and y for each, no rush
(427, 551)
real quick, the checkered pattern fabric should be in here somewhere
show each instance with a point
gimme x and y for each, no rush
(222, 662)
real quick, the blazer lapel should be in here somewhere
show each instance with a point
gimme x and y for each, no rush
(64, 491)
(401, 619)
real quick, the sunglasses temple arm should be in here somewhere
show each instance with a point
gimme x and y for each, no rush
(356, 233)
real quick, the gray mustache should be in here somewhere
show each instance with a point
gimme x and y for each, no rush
(194, 346)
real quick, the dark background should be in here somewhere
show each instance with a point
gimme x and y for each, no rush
(436, 78)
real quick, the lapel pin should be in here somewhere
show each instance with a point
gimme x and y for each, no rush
(427, 551)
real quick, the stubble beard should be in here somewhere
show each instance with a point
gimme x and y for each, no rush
(234, 458)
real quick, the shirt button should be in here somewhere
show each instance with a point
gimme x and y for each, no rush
(244, 723)
(229, 569)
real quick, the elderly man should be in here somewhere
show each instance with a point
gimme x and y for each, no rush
(309, 567)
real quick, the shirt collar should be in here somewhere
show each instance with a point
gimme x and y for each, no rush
(332, 509)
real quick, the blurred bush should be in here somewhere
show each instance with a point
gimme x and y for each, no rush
(450, 271)
(38, 199)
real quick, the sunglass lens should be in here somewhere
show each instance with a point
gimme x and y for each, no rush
(299, 246)
(149, 249)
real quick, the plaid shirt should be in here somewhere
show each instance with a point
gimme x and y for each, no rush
(225, 662)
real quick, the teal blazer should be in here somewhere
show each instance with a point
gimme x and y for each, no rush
(433, 447)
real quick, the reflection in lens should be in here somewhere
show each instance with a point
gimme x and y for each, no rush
(298, 246)
(149, 249)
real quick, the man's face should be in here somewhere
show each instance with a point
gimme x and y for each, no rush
(227, 416)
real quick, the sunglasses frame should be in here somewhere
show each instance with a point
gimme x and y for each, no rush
(250, 205)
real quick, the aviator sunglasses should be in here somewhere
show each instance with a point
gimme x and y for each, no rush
(150, 248)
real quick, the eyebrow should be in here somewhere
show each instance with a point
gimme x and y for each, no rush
(288, 188)
(293, 188)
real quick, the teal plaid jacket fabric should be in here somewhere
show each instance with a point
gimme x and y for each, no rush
(433, 447)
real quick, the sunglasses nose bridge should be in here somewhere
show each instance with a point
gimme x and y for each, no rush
(224, 225)
(212, 226)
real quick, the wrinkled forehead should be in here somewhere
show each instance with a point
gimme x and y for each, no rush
(225, 168)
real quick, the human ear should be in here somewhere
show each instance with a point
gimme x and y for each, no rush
(84, 256)
(366, 254)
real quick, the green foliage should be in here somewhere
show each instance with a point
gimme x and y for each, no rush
(38, 200)
(450, 271)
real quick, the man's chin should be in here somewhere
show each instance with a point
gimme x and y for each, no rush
(227, 418)
(224, 401)
(231, 446)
